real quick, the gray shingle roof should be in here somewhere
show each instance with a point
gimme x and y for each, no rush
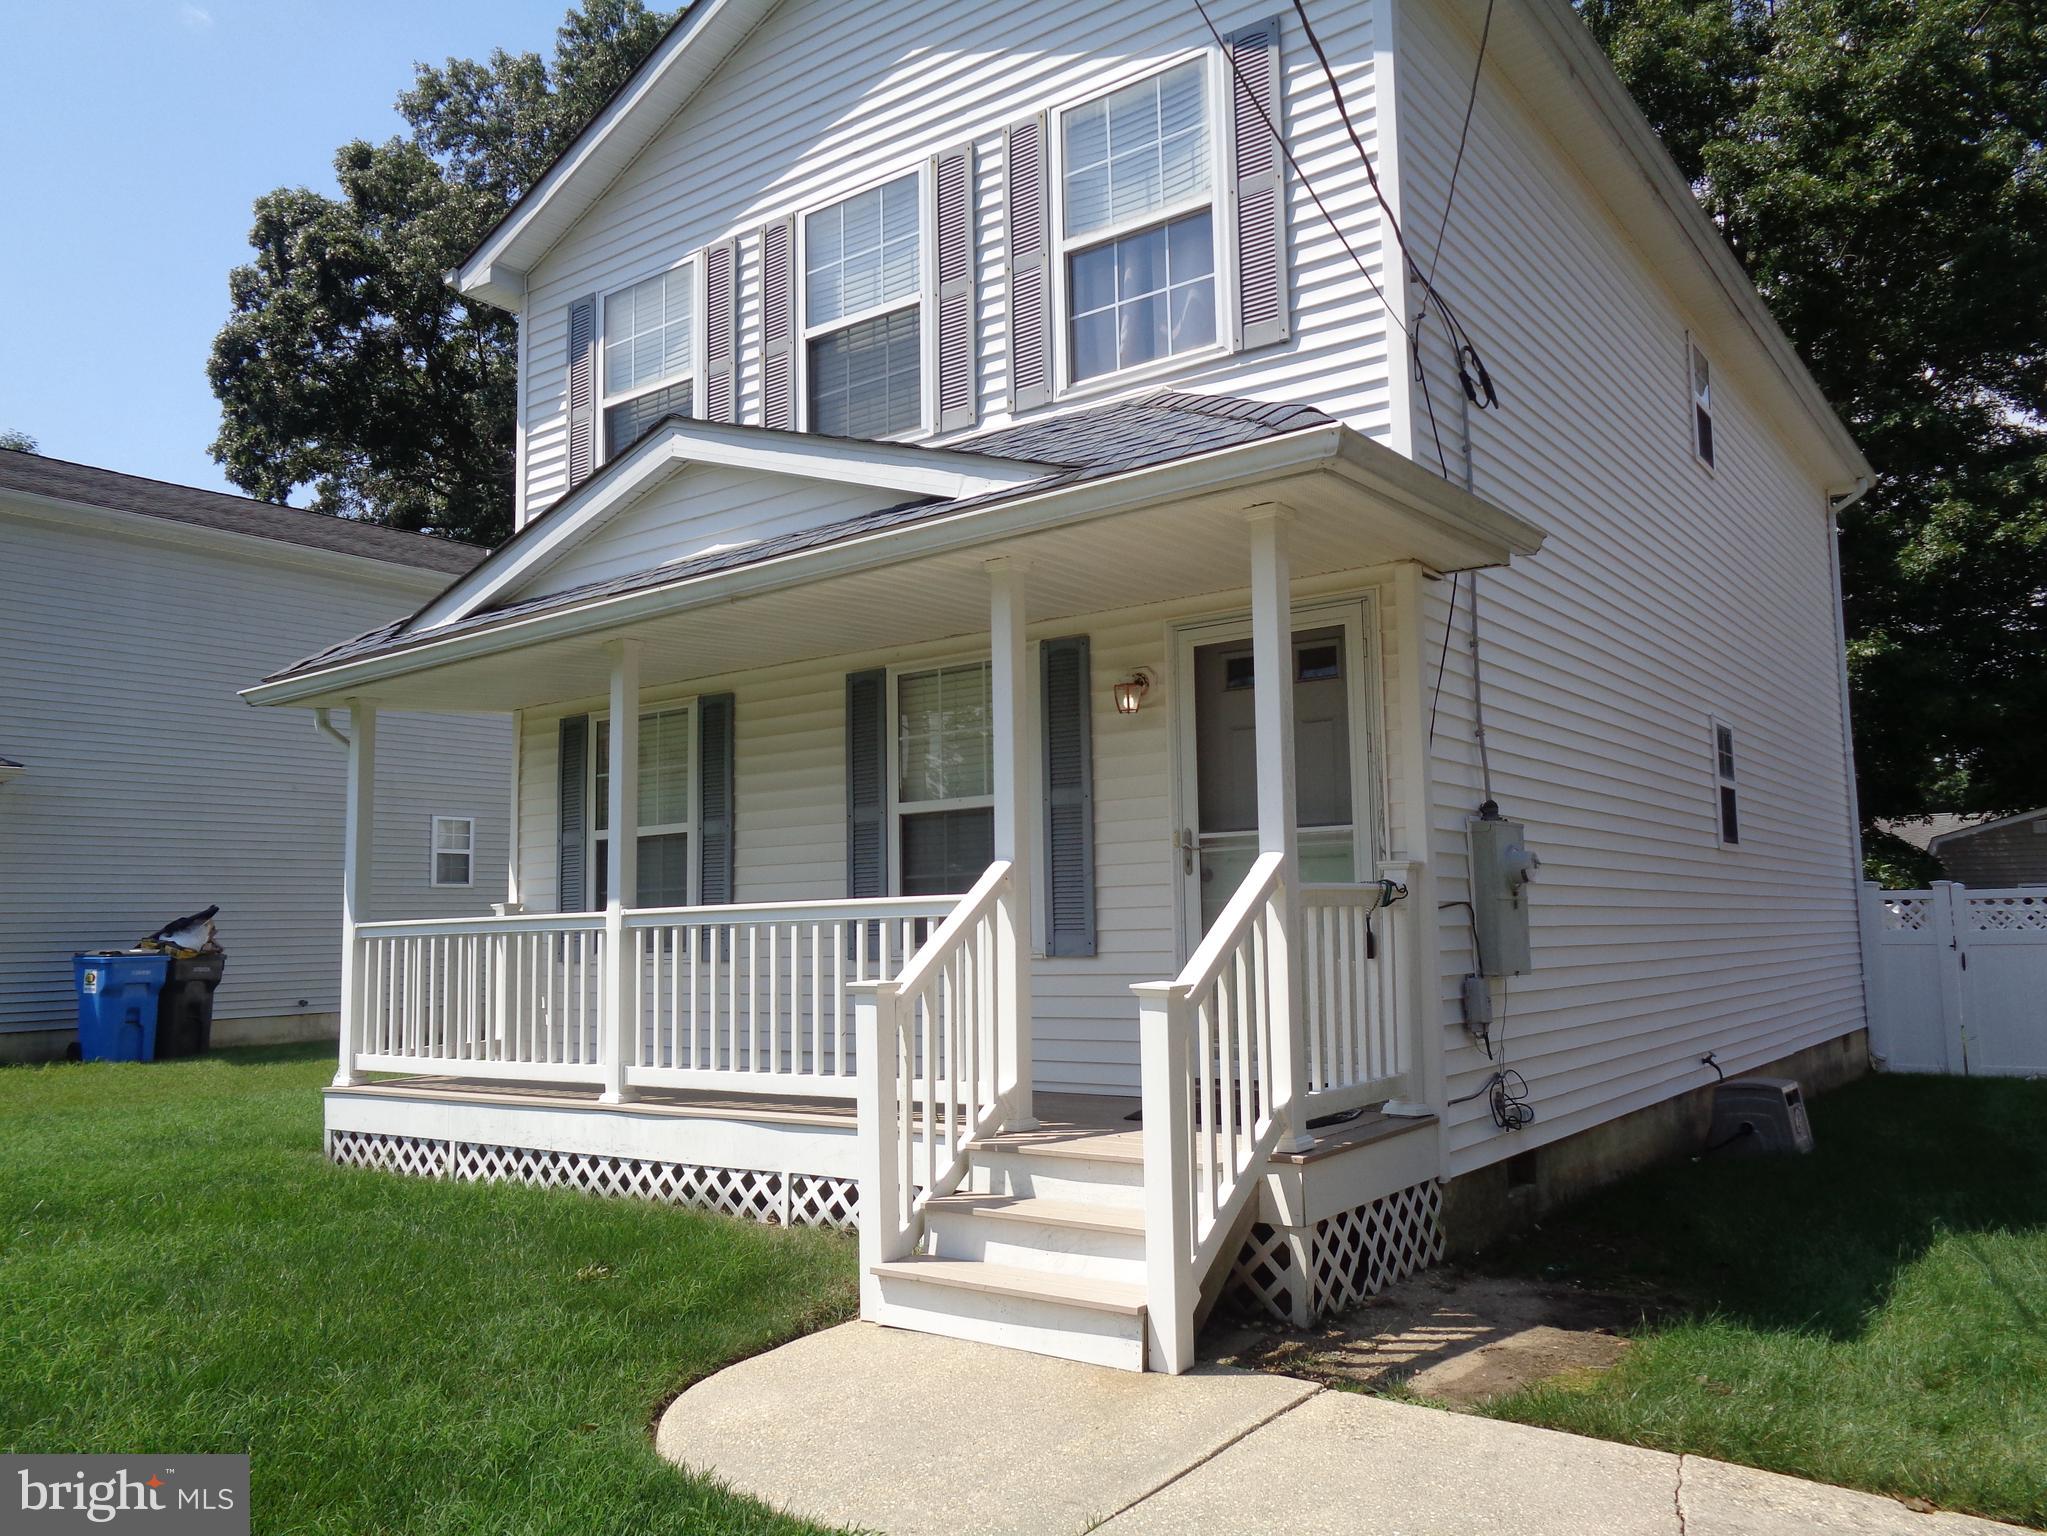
(1087, 445)
(36, 475)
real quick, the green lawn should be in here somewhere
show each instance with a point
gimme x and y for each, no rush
(1873, 1315)
(181, 1271)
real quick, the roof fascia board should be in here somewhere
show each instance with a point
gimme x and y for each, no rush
(1313, 448)
(35, 506)
(495, 271)
(903, 467)
(1579, 54)
(1984, 826)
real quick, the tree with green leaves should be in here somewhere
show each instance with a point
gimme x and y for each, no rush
(348, 366)
(1880, 168)
(17, 440)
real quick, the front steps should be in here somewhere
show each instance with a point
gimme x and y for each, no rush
(1042, 1249)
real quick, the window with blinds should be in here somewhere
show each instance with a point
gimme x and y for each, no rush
(649, 355)
(1137, 224)
(666, 808)
(945, 778)
(863, 293)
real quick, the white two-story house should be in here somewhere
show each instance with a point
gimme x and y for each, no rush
(1020, 636)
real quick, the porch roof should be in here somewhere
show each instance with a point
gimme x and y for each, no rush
(1126, 503)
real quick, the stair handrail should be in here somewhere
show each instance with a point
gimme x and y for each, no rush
(930, 1040)
(1211, 1043)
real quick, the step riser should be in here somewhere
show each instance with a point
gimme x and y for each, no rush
(1084, 1181)
(1039, 1245)
(1015, 1322)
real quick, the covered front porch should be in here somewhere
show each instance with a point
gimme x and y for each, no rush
(981, 809)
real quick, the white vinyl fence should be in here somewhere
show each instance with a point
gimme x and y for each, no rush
(1957, 979)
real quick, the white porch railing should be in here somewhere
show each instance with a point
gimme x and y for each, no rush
(1354, 943)
(932, 1065)
(1216, 1061)
(729, 998)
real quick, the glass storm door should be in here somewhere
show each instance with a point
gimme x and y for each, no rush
(1220, 792)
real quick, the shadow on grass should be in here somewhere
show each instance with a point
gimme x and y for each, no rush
(1817, 1243)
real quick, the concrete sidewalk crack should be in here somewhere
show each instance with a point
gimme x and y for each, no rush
(1678, 1494)
(1206, 1457)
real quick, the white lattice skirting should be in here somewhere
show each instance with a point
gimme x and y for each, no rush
(793, 1199)
(1349, 1256)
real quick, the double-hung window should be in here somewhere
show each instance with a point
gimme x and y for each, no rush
(863, 293)
(945, 778)
(667, 809)
(1702, 401)
(1138, 223)
(1725, 784)
(453, 851)
(649, 355)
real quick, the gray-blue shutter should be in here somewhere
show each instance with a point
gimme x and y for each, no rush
(778, 325)
(867, 783)
(571, 874)
(1259, 173)
(717, 821)
(1069, 799)
(582, 390)
(1030, 265)
(721, 331)
(952, 182)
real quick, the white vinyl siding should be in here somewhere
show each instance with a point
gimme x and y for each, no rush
(152, 789)
(809, 111)
(1662, 597)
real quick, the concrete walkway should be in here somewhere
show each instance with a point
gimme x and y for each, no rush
(913, 1435)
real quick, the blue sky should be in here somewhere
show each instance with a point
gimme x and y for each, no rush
(134, 135)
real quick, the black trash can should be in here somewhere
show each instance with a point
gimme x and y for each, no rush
(184, 1009)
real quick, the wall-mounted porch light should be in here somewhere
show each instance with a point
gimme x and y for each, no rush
(1131, 691)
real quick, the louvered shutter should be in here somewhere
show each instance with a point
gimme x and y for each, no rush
(1069, 799)
(1030, 266)
(582, 390)
(778, 325)
(717, 822)
(721, 324)
(952, 181)
(571, 878)
(1260, 175)
(866, 783)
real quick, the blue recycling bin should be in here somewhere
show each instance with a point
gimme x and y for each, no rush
(117, 1004)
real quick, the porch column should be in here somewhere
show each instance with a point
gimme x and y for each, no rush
(358, 859)
(1272, 657)
(620, 1025)
(1016, 762)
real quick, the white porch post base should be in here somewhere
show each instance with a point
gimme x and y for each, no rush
(1163, 1040)
(881, 1191)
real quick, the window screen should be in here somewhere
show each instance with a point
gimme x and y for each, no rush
(1137, 150)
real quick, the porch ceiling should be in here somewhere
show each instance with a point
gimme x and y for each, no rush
(1169, 534)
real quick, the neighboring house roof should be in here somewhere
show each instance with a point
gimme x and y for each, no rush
(33, 474)
(1969, 826)
(1109, 440)
(1920, 831)
(1543, 48)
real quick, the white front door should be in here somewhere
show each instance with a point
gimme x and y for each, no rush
(1218, 791)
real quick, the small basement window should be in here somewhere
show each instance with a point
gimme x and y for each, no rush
(454, 851)
(1725, 785)
(1702, 402)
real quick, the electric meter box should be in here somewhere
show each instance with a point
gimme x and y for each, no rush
(1501, 868)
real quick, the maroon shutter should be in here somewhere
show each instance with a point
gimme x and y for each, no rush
(582, 390)
(952, 181)
(1030, 267)
(778, 325)
(1260, 186)
(721, 321)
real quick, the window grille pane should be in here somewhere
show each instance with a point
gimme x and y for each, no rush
(945, 746)
(1143, 296)
(861, 253)
(945, 852)
(1137, 150)
(647, 331)
(867, 380)
(664, 770)
(1723, 743)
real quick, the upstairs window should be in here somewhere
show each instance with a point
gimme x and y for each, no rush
(649, 355)
(454, 851)
(862, 313)
(945, 778)
(667, 798)
(1725, 785)
(1137, 226)
(1702, 402)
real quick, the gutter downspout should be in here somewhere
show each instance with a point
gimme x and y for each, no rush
(323, 722)
(1837, 503)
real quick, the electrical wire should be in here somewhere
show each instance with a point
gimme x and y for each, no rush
(1442, 659)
